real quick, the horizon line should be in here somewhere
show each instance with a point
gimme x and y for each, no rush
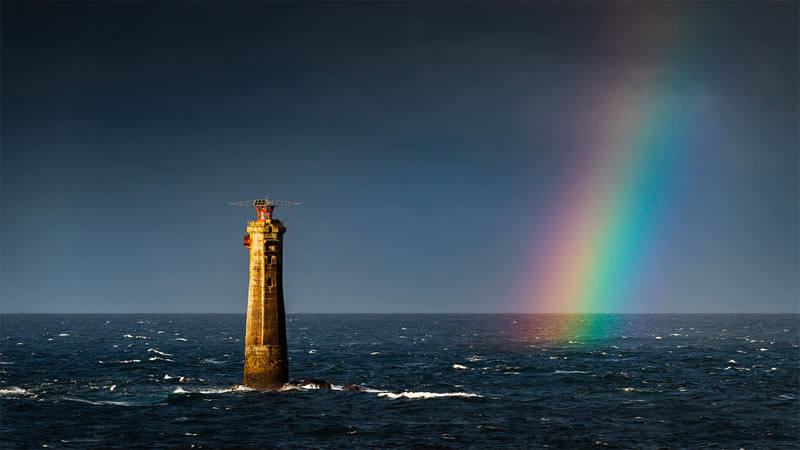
(421, 313)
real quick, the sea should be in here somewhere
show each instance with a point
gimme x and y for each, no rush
(430, 380)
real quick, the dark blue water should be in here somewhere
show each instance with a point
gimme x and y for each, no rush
(727, 381)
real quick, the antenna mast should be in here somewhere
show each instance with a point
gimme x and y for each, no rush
(264, 206)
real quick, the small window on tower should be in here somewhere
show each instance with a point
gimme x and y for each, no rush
(271, 248)
(269, 229)
(269, 282)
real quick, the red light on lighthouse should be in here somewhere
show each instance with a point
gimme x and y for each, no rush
(264, 213)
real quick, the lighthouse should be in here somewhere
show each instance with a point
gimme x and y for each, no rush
(266, 360)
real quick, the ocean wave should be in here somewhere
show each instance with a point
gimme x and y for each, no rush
(425, 395)
(14, 390)
(154, 350)
(100, 402)
(179, 378)
(127, 361)
(211, 361)
(630, 389)
(570, 371)
(295, 386)
(459, 366)
(157, 358)
(180, 390)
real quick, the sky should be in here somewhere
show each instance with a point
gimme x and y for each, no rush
(450, 157)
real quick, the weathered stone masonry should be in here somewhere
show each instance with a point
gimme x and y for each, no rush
(266, 362)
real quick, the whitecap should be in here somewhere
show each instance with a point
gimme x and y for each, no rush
(156, 358)
(216, 391)
(459, 366)
(763, 349)
(375, 353)
(99, 402)
(570, 371)
(5, 363)
(153, 350)
(63, 334)
(127, 335)
(211, 361)
(128, 361)
(13, 390)
(312, 351)
(181, 339)
(630, 389)
(425, 395)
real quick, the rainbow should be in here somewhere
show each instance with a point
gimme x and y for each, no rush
(597, 248)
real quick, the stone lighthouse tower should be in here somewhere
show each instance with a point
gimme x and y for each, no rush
(266, 361)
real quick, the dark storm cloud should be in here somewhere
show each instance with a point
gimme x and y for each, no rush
(422, 138)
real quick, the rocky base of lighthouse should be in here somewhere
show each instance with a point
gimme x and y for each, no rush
(265, 367)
